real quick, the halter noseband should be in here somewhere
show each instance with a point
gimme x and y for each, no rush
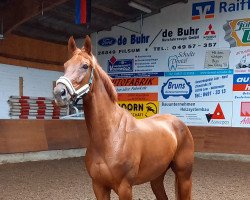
(76, 94)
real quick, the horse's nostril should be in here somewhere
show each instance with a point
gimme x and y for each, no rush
(63, 92)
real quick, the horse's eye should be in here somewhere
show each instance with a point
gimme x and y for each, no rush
(85, 66)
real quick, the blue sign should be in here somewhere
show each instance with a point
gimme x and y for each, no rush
(203, 9)
(107, 41)
(176, 87)
(123, 65)
(241, 78)
(200, 72)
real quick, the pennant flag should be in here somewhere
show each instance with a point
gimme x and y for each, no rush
(83, 11)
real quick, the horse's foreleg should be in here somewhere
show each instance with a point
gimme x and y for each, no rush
(125, 191)
(157, 186)
(101, 192)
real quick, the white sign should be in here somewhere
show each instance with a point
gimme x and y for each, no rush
(217, 59)
(200, 113)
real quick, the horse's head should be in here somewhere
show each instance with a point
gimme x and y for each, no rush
(78, 73)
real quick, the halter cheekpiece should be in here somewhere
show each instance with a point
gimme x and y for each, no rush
(76, 94)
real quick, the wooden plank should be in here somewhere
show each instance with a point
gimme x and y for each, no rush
(221, 139)
(66, 134)
(35, 65)
(40, 135)
(30, 59)
(22, 136)
(199, 137)
(22, 51)
(20, 86)
(233, 140)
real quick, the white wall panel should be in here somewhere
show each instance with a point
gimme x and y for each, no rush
(35, 83)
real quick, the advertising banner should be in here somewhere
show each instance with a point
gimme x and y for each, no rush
(200, 113)
(195, 65)
(140, 109)
(209, 85)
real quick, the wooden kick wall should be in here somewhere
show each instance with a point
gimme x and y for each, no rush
(42, 135)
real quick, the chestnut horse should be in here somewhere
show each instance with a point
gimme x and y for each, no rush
(124, 151)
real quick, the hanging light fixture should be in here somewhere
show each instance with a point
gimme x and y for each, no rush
(139, 7)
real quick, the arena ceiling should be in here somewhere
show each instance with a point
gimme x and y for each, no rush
(54, 20)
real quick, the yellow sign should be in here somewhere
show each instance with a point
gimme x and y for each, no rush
(141, 109)
(238, 32)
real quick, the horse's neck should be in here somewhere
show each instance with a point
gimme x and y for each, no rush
(102, 115)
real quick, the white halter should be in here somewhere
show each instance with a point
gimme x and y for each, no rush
(76, 94)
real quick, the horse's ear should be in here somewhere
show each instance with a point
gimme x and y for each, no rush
(87, 45)
(71, 45)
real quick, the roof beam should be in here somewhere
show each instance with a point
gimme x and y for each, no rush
(152, 7)
(16, 13)
(110, 10)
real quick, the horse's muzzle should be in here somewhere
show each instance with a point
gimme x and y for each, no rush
(61, 95)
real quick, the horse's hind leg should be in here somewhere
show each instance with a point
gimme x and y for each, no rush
(157, 186)
(183, 185)
(182, 166)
